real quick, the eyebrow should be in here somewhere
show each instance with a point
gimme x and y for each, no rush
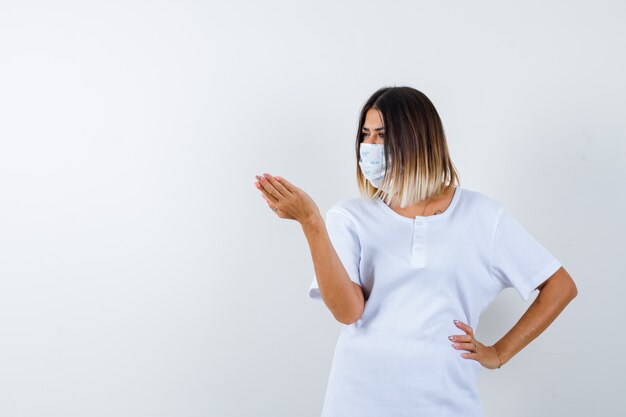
(378, 128)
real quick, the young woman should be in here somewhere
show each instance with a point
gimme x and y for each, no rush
(409, 266)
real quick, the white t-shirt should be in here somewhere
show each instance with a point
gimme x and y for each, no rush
(418, 275)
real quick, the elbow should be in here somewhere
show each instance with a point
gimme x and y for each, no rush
(358, 306)
(573, 290)
(571, 286)
(348, 321)
(350, 309)
(564, 283)
(350, 318)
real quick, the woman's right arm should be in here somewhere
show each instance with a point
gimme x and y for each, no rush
(343, 297)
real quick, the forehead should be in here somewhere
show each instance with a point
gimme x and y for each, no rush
(373, 120)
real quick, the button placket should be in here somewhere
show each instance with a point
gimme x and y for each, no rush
(418, 250)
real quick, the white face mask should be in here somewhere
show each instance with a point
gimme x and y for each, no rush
(372, 162)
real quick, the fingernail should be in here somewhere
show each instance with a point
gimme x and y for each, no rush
(456, 321)
(451, 337)
(266, 175)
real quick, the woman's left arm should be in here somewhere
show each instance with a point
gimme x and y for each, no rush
(555, 293)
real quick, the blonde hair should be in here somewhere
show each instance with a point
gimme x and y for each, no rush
(416, 152)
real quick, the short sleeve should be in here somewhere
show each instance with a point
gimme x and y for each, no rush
(344, 238)
(518, 260)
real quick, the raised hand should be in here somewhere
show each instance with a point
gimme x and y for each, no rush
(287, 200)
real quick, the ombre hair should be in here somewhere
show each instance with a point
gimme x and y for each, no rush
(416, 152)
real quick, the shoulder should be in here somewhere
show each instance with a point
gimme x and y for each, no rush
(354, 208)
(353, 205)
(349, 204)
(480, 204)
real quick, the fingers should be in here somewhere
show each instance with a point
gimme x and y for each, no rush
(281, 188)
(270, 186)
(269, 203)
(461, 338)
(470, 355)
(465, 346)
(267, 194)
(466, 341)
(289, 186)
(268, 189)
(467, 329)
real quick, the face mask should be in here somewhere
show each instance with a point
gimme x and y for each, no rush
(372, 162)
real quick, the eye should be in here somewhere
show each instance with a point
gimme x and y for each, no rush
(363, 134)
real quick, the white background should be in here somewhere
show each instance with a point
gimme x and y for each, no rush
(141, 272)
